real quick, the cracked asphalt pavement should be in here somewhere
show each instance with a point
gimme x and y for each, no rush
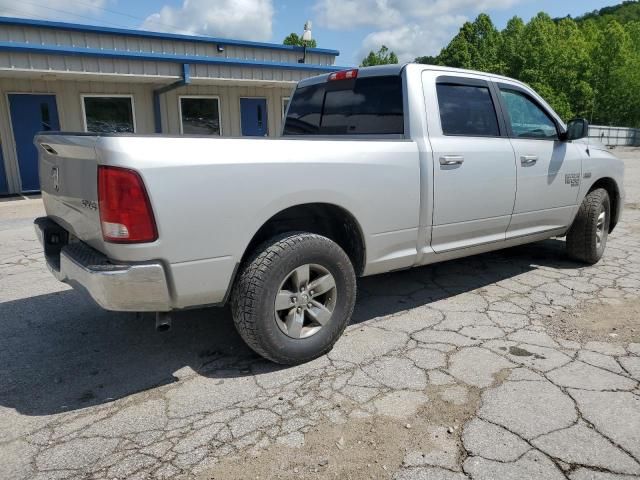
(517, 364)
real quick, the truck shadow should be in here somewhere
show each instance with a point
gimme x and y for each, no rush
(59, 352)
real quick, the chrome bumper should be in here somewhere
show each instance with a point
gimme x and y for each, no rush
(125, 287)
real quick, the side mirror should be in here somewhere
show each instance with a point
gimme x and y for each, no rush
(576, 129)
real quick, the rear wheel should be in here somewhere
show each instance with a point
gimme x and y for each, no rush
(294, 297)
(587, 237)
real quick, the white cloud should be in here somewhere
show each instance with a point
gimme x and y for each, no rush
(242, 19)
(408, 27)
(413, 40)
(342, 14)
(53, 9)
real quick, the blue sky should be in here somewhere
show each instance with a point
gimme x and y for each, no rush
(409, 27)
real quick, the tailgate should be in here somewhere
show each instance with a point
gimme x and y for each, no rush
(68, 172)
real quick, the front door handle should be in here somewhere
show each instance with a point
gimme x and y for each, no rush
(528, 160)
(449, 160)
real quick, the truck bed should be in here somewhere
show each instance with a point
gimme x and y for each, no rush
(211, 195)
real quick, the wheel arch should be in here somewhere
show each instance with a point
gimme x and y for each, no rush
(611, 186)
(327, 219)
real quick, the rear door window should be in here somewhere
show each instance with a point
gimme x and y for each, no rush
(364, 106)
(467, 110)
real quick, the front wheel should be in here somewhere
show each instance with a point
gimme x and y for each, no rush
(294, 297)
(587, 237)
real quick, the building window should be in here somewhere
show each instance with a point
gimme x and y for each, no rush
(200, 116)
(108, 114)
(285, 104)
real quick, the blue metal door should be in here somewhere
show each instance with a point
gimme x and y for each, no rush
(3, 177)
(253, 117)
(31, 114)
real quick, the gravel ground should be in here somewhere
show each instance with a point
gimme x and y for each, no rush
(512, 365)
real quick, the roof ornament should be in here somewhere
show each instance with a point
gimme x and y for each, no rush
(306, 37)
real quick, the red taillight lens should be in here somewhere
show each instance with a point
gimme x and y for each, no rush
(125, 211)
(344, 75)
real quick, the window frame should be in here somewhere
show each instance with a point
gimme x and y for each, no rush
(473, 82)
(283, 101)
(507, 118)
(211, 97)
(108, 95)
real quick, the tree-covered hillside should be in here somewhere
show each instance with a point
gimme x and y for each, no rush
(625, 12)
(587, 67)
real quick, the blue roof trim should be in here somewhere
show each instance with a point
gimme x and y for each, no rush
(159, 35)
(158, 57)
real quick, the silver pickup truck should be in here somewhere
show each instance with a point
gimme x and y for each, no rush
(378, 169)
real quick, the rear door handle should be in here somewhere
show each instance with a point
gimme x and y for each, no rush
(527, 160)
(451, 160)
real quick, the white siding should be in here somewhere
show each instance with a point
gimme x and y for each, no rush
(615, 136)
(229, 106)
(87, 65)
(68, 98)
(109, 66)
(70, 76)
(109, 41)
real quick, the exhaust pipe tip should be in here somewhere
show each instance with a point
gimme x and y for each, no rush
(163, 321)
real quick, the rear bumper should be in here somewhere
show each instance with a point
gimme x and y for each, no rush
(117, 286)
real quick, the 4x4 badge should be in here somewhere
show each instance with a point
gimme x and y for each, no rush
(572, 179)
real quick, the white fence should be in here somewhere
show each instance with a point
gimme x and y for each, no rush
(615, 136)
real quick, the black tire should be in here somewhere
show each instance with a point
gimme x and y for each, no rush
(582, 241)
(254, 295)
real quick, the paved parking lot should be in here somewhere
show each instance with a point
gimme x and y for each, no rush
(511, 365)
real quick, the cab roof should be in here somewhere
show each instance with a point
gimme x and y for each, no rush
(397, 68)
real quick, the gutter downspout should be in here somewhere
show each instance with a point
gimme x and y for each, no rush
(186, 80)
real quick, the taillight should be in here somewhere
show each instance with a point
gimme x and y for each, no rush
(125, 211)
(344, 75)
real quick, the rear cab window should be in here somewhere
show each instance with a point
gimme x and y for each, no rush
(361, 106)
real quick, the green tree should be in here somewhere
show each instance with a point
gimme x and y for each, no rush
(512, 38)
(612, 59)
(633, 29)
(296, 40)
(476, 46)
(588, 67)
(458, 53)
(572, 73)
(623, 13)
(427, 60)
(382, 57)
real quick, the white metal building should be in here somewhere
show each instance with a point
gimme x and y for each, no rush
(62, 76)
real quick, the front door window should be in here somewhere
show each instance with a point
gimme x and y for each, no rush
(527, 119)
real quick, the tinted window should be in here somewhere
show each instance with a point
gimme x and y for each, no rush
(347, 107)
(467, 110)
(108, 114)
(528, 120)
(200, 116)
